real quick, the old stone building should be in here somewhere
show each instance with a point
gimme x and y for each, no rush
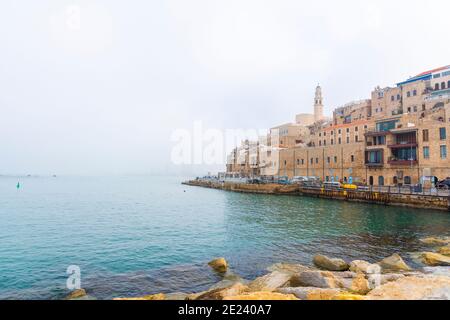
(398, 137)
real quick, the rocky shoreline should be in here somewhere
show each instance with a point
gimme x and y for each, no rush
(331, 279)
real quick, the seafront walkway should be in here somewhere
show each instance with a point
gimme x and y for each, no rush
(408, 196)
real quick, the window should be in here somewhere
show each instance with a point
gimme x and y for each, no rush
(348, 130)
(436, 86)
(312, 160)
(442, 134)
(356, 139)
(398, 97)
(371, 180)
(381, 181)
(317, 160)
(352, 158)
(356, 129)
(324, 142)
(426, 152)
(348, 139)
(335, 159)
(407, 180)
(339, 131)
(415, 92)
(332, 141)
(392, 98)
(395, 180)
(285, 162)
(303, 161)
(443, 152)
(387, 125)
(340, 141)
(443, 85)
(320, 142)
(425, 135)
(328, 160)
(415, 108)
(448, 84)
(408, 94)
(298, 161)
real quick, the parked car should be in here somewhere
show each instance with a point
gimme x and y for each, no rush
(332, 185)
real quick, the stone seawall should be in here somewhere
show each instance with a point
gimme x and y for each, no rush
(394, 199)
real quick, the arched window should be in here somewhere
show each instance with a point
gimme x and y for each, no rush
(443, 85)
(436, 86)
(407, 180)
(381, 181)
(371, 180)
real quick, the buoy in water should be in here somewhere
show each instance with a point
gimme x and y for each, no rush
(18, 185)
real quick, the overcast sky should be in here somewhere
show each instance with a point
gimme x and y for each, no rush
(97, 87)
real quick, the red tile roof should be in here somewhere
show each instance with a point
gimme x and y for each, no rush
(433, 71)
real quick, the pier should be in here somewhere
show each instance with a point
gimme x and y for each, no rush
(393, 196)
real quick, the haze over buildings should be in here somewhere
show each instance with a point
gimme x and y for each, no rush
(97, 87)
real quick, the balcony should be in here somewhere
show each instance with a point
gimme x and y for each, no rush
(403, 145)
(402, 162)
(376, 133)
(374, 164)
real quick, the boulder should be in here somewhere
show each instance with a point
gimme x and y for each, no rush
(364, 267)
(359, 285)
(299, 292)
(435, 259)
(390, 277)
(264, 295)
(219, 265)
(76, 294)
(437, 271)
(288, 268)
(194, 296)
(413, 288)
(330, 264)
(435, 241)
(270, 282)
(159, 296)
(221, 293)
(323, 294)
(317, 279)
(393, 263)
(176, 296)
(445, 250)
(348, 296)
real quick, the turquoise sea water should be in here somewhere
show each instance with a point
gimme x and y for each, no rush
(138, 235)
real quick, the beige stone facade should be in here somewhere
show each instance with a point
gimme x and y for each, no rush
(398, 137)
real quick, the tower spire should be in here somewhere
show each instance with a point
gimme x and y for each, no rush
(318, 104)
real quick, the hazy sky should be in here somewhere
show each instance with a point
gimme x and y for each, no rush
(97, 87)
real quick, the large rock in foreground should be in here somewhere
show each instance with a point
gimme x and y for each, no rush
(445, 250)
(288, 268)
(435, 259)
(159, 296)
(76, 294)
(317, 279)
(219, 265)
(221, 293)
(364, 267)
(270, 282)
(413, 288)
(394, 263)
(330, 264)
(435, 241)
(262, 296)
